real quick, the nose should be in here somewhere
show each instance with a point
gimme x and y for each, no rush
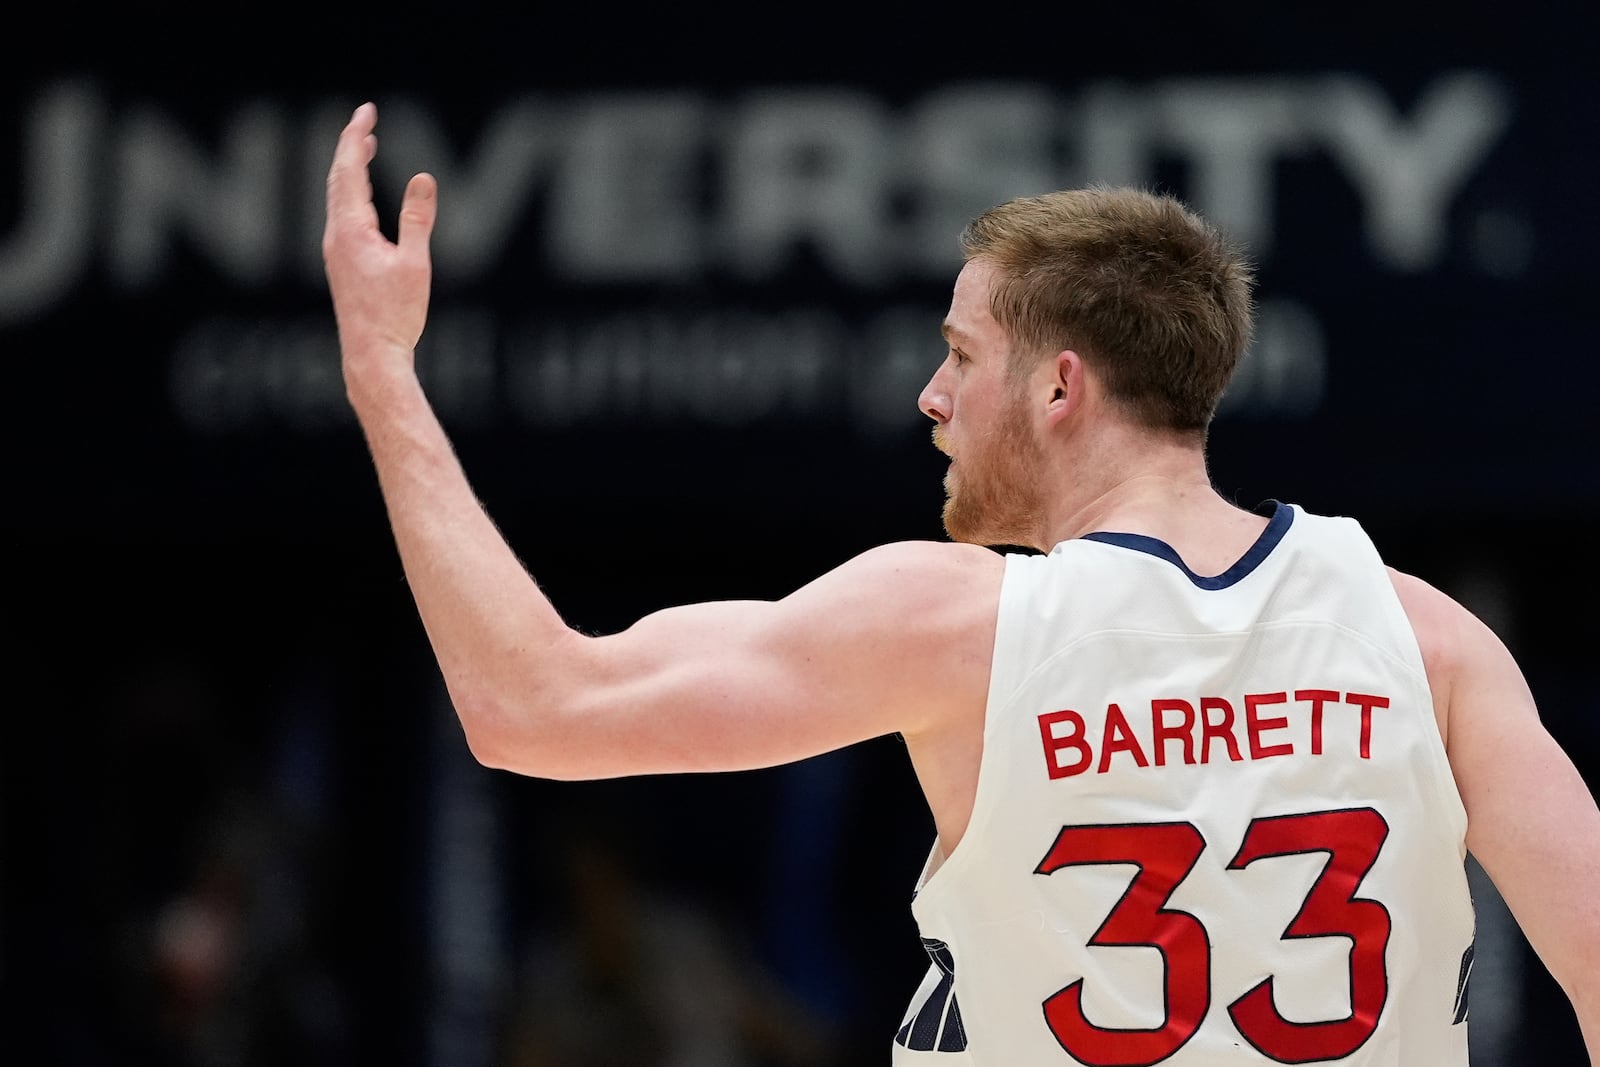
(935, 397)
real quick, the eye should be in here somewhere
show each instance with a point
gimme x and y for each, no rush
(959, 356)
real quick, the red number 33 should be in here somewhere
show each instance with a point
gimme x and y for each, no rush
(1165, 853)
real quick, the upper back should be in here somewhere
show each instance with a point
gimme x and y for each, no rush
(1301, 654)
(1255, 751)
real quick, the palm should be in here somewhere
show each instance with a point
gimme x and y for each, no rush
(380, 288)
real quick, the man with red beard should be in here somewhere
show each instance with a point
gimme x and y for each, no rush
(1203, 778)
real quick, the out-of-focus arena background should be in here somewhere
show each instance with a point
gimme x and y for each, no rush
(688, 280)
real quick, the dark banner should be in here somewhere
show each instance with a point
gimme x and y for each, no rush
(689, 275)
(681, 272)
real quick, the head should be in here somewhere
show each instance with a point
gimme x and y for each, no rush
(1120, 292)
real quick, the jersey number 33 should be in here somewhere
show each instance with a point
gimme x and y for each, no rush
(1165, 853)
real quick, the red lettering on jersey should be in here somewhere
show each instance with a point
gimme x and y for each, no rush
(1119, 738)
(1073, 740)
(1162, 733)
(1255, 725)
(1366, 702)
(1069, 752)
(1222, 730)
(1317, 698)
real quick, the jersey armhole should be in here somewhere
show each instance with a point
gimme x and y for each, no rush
(1408, 646)
(1004, 685)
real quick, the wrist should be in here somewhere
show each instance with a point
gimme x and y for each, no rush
(380, 382)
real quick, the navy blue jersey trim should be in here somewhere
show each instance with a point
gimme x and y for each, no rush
(1282, 515)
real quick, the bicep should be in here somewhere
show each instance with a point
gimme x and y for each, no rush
(729, 686)
(863, 651)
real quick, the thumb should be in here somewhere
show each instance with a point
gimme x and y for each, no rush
(418, 209)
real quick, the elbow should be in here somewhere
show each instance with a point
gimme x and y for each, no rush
(488, 728)
(526, 729)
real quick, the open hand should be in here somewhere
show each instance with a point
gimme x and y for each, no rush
(380, 287)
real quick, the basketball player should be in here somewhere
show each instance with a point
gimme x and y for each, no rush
(1203, 778)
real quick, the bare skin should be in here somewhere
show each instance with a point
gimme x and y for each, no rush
(898, 639)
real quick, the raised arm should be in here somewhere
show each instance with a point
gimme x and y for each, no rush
(896, 640)
(1532, 821)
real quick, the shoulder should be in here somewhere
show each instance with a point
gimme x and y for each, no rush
(902, 596)
(914, 569)
(927, 560)
(1445, 629)
(1463, 657)
(908, 626)
(929, 574)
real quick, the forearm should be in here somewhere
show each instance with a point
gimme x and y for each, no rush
(500, 644)
(502, 647)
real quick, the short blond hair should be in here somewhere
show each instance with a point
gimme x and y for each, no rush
(1156, 300)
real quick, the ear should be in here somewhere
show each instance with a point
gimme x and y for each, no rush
(1068, 385)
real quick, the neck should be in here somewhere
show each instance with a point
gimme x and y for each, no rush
(1134, 481)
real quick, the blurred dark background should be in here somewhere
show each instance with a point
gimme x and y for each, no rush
(689, 272)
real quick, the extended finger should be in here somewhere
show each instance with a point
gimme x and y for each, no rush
(349, 187)
(418, 209)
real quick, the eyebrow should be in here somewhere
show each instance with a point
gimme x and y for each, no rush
(953, 334)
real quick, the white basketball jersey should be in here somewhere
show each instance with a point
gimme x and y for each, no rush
(1214, 822)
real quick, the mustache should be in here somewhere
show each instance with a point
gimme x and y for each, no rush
(939, 440)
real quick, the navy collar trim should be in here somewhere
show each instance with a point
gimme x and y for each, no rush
(1282, 515)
